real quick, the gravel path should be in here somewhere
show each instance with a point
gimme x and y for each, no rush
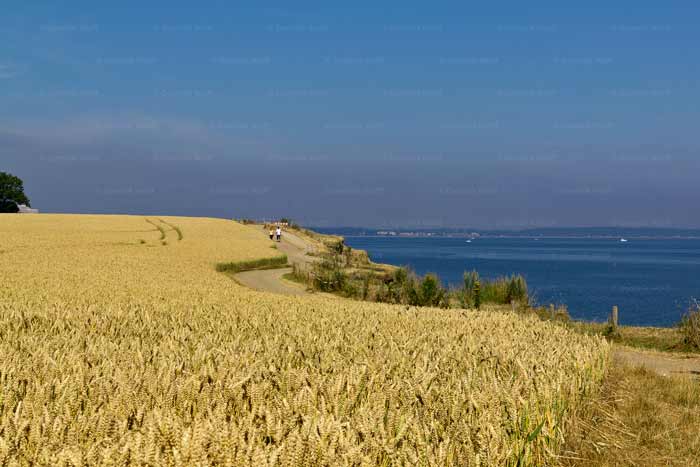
(270, 280)
(665, 364)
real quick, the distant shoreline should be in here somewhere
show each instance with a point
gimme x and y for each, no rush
(391, 249)
(578, 237)
(593, 233)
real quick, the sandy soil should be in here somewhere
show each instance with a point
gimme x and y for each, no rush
(665, 364)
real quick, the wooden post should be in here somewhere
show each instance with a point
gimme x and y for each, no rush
(614, 317)
(551, 310)
(512, 305)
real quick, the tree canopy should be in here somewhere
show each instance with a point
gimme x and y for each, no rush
(12, 189)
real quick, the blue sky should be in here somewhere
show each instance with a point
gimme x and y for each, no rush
(498, 114)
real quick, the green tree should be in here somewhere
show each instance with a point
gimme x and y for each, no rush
(7, 206)
(12, 189)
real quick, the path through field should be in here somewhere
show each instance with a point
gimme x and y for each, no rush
(271, 280)
(665, 364)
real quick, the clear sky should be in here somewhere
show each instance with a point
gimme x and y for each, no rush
(478, 114)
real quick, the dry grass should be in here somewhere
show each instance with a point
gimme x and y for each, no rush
(115, 351)
(639, 419)
(663, 339)
(690, 327)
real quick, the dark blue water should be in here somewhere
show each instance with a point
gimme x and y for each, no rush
(652, 281)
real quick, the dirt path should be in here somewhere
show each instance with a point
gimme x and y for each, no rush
(665, 364)
(271, 280)
(294, 247)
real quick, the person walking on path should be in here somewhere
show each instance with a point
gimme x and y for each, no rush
(279, 233)
(272, 234)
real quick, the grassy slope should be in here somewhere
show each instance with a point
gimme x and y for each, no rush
(639, 419)
(324, 244)
(652, 338)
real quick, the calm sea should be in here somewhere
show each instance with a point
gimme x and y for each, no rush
(652, 281)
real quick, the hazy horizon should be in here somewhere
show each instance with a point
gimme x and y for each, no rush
(484, 116)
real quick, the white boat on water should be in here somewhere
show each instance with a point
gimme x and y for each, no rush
(469, 241)
(623, 240)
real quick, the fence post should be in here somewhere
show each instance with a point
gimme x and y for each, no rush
(614, 317)
(512, 305)
(551, 310)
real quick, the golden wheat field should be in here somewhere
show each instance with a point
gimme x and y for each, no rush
(120, 344)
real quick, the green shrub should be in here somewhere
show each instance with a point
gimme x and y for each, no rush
(301, 274)
(690, 326)
(466, 297)
(502, 290)
(404, 287)
(335, 245)
(266, 263)
(430, 292)
(517, 289)
(365, 287)
(328, 275)
(398, 288)
(349, 289)
(495, 291)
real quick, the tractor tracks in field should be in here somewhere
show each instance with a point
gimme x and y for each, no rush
(164, 227)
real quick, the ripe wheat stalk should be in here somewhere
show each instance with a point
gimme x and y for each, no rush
(121, 352)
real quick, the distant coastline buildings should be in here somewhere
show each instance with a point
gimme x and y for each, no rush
(394, 233)
(24, 209)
